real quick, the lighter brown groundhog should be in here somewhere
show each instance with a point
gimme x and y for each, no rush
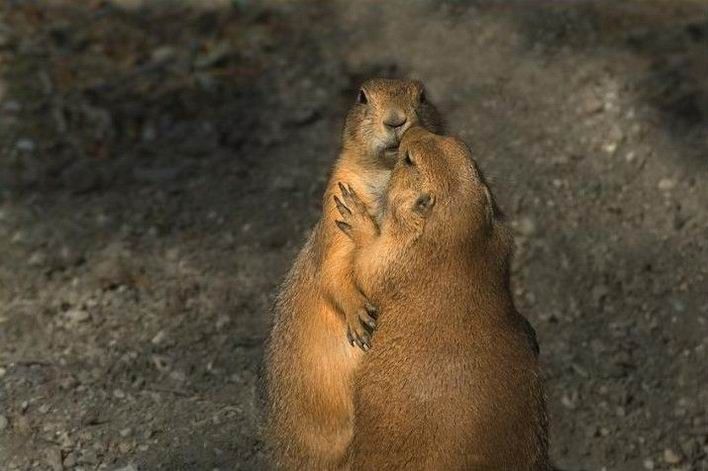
(320, 314)
(452, 381)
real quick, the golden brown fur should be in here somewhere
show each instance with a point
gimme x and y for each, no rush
(309, 361)
(452, 381)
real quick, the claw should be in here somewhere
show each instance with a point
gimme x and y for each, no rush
(344, 227)
(343, 189)
(343, 210)
(351, 191)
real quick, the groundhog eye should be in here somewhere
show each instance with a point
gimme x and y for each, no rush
(361, 98)
(407, 159)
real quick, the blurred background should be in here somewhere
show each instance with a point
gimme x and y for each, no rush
(161, 163)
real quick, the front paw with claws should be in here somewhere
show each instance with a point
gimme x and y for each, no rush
(356, 222)
(360, 326)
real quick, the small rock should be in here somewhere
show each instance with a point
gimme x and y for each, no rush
(526, 226)
(648, 463)
(592, 104)
(667, 184)
(610, 148)
(3, 422)
(671, 457)
(26, 145)
(44, 408)
(113, 271)
(125, 447)
(159, 337)
(88, 456)
(217, 54)
(37, 259)
(24, 406)
(118, 394)
(70, 460)
(569, 401)
(163, 54)
(77, 315)
(3, 371)
(126, 432)
(53, 459)
(129, 467)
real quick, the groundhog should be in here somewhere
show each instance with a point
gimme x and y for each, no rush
(452, 381)
(320, 316)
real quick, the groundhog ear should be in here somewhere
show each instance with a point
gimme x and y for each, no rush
(424, 204)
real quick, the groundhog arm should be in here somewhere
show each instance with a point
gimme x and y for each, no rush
(358, 225)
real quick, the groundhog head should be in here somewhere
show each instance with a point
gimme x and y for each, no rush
(437, 189)
(384, 109)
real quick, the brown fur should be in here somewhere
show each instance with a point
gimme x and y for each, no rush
(309, 362)
(452, 381)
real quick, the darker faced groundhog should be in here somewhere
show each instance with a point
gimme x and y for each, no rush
(322, 322)
(452, 380)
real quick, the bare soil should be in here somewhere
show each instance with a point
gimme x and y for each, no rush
(160, 166)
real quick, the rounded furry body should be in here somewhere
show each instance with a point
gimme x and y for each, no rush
(309, 361)
(452, 381)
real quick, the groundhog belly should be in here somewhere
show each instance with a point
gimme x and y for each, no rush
(310, 386)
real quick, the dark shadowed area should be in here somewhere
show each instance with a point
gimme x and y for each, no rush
(162, 162)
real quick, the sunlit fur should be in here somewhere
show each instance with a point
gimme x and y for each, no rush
(452, 381)
(309, 362)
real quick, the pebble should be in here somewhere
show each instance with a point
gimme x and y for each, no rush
(163, 54)
(526, 226)
(3, 371)
(77, 315)
(648, 463)
(667, 184)
(159, 337)
(37, 259)
(118, 394)
(53, 459)
(592, 104)
(126, 432)
(70, 460)
(671, 457)
(3, 422)
(26, 145)
(129, 467)
(610, 148)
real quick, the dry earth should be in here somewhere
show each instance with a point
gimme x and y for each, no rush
(161, 165)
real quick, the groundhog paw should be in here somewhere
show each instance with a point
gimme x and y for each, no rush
(360, 327)
(355, 221)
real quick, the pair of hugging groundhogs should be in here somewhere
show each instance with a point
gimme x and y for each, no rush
(411, 246)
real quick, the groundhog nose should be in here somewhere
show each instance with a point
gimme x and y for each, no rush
(395, 118)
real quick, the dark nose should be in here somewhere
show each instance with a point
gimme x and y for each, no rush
(395, 118)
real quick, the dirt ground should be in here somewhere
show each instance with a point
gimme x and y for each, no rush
(161, 165)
